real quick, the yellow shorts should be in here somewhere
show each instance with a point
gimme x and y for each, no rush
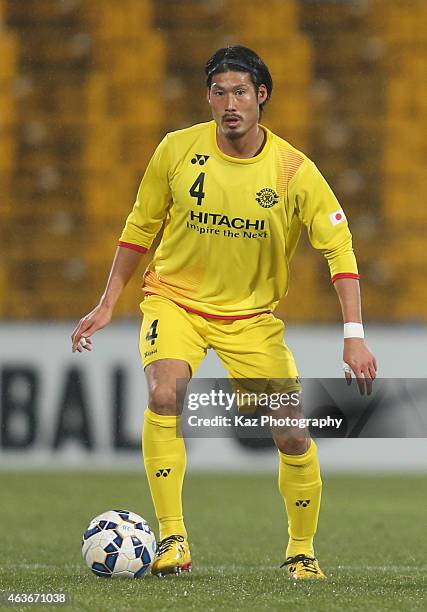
(251, 348)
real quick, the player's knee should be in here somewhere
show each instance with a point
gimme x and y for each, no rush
(293, 444)
(162, 400)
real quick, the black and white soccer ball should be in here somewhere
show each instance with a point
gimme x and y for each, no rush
(119, 543)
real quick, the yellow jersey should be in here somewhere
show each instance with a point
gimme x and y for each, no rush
(231, 225)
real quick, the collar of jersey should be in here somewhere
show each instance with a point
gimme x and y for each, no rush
(243, 160)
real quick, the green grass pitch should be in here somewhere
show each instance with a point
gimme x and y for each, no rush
(371, 543)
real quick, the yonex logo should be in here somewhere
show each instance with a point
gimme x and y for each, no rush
(163, 472)
(302, 502)
(200, 159)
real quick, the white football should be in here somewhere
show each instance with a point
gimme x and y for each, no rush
(119, 543)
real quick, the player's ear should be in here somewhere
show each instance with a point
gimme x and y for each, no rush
(262, 93)
(208, 95)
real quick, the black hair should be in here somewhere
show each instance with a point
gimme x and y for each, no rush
(240, 59)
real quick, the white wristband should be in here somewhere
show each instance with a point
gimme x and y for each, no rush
(353, 330)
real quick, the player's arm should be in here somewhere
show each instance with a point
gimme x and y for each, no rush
(123, 267)
(319, 210)
(356, 352)
(141, 228)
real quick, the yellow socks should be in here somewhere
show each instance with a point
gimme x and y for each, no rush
(165, 461)
(301, 488)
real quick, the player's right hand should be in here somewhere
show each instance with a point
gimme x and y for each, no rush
(98, 318)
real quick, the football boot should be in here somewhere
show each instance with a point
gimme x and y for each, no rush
(303, 567)
(172, 557)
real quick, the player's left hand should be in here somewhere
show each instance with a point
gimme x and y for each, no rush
(362, 363)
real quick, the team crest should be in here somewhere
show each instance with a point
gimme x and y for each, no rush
(267, 197)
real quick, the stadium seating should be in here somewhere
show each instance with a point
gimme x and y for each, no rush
(8, 51)
(403, 154)
(89, 115)
(125, 107)
(89, 87)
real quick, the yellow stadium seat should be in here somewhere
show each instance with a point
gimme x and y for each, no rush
(8, 56)
(118, 20)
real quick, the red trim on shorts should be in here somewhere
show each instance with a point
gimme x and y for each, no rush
(213, 316)
(133, 247)
(345, 275)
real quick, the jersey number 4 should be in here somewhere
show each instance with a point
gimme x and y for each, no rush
(152, 332)
(196, 189)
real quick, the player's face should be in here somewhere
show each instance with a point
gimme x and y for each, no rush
(235, 103)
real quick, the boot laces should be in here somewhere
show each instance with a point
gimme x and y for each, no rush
(308, 562)
(167, 543)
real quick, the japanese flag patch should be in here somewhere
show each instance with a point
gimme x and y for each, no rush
(337, 217)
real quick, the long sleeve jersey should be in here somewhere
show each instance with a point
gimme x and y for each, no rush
(231, 225)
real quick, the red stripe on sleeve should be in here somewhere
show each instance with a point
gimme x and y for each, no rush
(345, 275)
(133, 247)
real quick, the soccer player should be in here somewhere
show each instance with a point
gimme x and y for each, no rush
(232, 197)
